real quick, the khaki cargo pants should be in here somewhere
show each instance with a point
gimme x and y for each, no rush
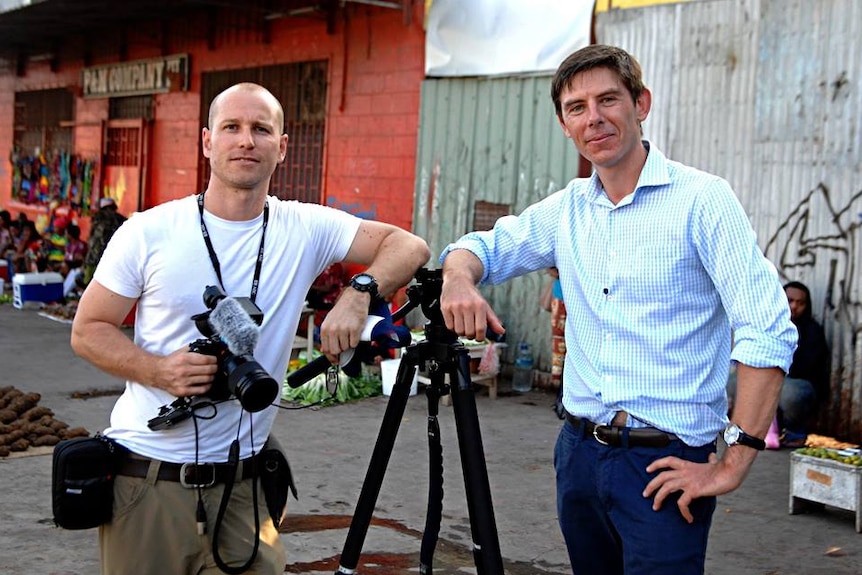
(154, 530)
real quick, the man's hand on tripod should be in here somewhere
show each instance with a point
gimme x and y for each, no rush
(342, 327)
(464, 309)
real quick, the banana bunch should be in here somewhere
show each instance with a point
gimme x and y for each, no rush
(846, 456)
(814, 440)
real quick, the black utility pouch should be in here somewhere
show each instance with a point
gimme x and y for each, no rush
(82, 482)
(276, 480)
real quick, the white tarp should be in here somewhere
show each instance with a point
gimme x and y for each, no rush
(494, 37)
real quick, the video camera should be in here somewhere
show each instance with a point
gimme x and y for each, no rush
(230, 327)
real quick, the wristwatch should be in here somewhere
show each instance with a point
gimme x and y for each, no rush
(734, 435)
(365, 283)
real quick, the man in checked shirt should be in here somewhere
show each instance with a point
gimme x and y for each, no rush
(658, 264)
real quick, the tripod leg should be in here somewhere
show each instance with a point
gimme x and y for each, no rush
(379, 461)
(434, 512)
(486, 545)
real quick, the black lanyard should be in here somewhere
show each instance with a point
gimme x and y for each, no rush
(214, 257)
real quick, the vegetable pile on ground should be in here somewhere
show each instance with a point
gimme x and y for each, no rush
(314, 391)
(24, 424)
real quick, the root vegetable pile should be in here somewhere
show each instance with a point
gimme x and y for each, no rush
(24, 424)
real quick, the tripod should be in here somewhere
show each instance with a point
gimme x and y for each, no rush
(444, 355)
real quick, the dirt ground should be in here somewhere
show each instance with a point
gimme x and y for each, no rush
(329, 449)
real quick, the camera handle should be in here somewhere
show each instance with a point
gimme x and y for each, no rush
(444, 355)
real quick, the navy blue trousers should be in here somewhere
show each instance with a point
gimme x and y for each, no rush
(608, 526)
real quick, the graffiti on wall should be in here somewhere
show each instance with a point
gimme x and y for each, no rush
(818, 234)
(358, 209)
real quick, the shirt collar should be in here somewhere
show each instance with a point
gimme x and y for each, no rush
(655, 173)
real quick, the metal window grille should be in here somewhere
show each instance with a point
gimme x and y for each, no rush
(486, 214)
(123, 147)
(39, 119)
(131, 108)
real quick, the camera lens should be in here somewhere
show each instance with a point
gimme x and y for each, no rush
(250, 383)
(213, 295)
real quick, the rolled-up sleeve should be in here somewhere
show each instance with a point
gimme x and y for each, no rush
(517, 244)
(747, 281)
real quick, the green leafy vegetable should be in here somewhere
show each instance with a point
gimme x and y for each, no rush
(349, 389)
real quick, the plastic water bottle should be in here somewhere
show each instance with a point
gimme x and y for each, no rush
(522, 379)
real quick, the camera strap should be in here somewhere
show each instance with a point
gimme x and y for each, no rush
(214, 258)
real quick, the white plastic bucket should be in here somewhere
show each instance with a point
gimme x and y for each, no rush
(389, 372)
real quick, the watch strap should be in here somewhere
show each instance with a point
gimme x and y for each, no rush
(749, 440)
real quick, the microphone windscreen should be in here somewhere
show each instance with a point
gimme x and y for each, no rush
(235, 327)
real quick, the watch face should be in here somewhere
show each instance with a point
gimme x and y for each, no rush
(364, 283)
(731, 434)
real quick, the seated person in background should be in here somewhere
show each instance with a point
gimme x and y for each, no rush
(54, 242)
(76, 248)
(806, 386)
(73, 258)
(6, 242)
(8, 233)
(28, 248)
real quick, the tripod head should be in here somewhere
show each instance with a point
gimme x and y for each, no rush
(425, 293)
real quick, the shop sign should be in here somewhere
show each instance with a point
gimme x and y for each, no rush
(137, 78)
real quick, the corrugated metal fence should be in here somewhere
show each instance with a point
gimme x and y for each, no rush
(765, 93)
(768, 94)
(491, 141)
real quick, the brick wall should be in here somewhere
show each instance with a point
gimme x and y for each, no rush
(375, 66)
(175, 147)
(373, 124)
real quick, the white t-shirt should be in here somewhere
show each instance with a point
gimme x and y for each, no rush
(160, 257)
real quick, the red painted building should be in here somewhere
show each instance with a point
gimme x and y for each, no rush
(123, 88)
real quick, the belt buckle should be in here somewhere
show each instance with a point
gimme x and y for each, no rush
(596, 434)
(190, 475)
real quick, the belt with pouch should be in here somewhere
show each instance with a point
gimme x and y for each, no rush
(621, 436)
(190, 475)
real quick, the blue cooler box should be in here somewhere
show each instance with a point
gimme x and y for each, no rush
(39, 287)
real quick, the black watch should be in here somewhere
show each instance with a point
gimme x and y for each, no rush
(365, 283)
(734, 435)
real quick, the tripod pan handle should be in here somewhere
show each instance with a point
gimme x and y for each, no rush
(308, 372)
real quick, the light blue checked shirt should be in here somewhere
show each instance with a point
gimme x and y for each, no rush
(653, 287)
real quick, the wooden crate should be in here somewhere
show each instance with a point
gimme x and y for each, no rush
(825, 481)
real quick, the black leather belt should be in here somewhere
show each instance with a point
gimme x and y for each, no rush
(191, 475)
(614, 435)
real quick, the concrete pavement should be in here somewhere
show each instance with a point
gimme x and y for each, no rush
(329, 449)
